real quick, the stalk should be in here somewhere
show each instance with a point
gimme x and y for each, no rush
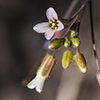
(92, 37)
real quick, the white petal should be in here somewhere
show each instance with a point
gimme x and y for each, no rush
(61, 26)
(49, 33)
(33, 83)
(40, 85)
(51, 13)
(37, 83)
(41, 27)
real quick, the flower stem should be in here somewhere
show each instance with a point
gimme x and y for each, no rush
(77, 16)
(92, 36)
(86, 2)
(81, 8)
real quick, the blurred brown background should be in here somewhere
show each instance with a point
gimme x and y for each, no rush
(21, 48)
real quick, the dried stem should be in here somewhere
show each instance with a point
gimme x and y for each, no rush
(92, 36)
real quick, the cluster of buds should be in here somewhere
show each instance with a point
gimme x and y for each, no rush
(68, 54)
(70, 39)
(51, 27)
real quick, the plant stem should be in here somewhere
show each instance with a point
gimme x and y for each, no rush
(81, 8)
(86, 2)
(92, 36)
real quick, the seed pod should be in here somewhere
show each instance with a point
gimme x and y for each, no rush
(56, 43)
(80, 62)
(75, 41)
(66, 42)
(67, 58)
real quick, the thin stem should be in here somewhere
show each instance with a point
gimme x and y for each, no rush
(92, 36)
(70, 26)
(81, 8)
(53, 53)
(77, 13)
(86, 2)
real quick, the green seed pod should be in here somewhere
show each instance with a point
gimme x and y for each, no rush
(75, 41)
(66, 42)
(80, 62)
(67, 58)
(56, 43)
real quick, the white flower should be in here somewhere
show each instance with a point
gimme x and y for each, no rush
(51, 26)
(42, 73)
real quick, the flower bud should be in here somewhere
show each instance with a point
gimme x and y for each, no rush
(80, 62)
(42, 73)
(75, 41)
(67, 58)
(56, 43)
(66, 41)
(72, 33)
(47, 64)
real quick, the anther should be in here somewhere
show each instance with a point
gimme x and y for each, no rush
(53, 20)
(50, 21)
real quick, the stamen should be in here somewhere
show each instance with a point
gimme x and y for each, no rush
(53, 20)
(50, 21)
(54, 24)
(55, 28)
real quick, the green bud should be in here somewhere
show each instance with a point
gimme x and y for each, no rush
(66, 42)
(75, 41)
(72, 33)
(80, 62)
(67, 58)
(56, 43)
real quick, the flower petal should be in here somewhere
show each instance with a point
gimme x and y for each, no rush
(40, 84)
(49, 33)
(46, 43)
(61, 26)
(33, 83)
(37, 82)
(41, 27)
(51, 13)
